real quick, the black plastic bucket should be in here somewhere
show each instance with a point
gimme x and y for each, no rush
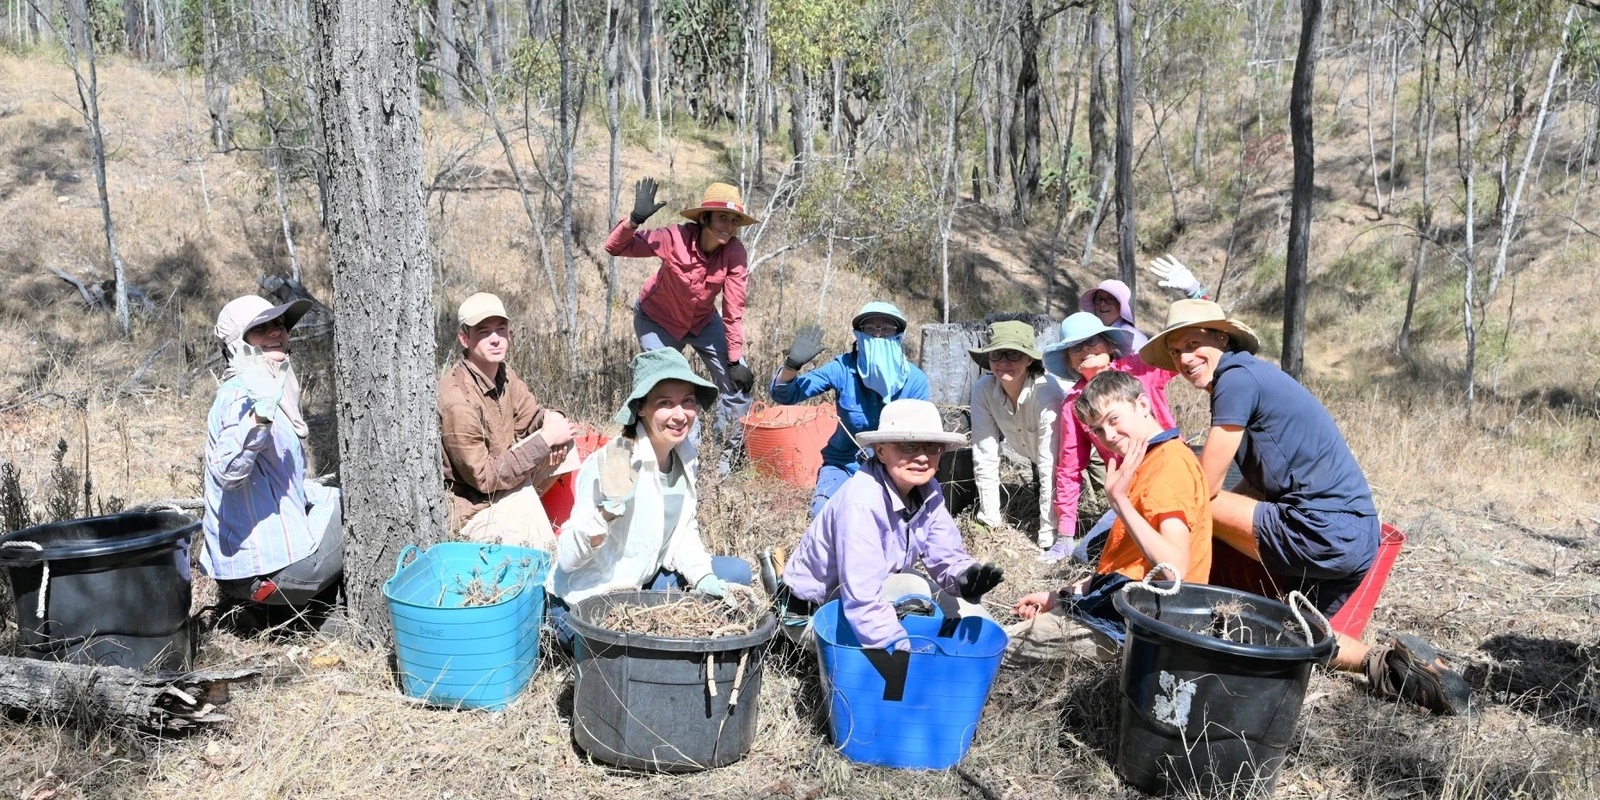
(1203, 715)
(117, 594)
(642, 702)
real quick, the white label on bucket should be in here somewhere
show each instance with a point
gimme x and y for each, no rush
(1172, 705)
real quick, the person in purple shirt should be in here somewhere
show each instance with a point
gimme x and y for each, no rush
(865, 545)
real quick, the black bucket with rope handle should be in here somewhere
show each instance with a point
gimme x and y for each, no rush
(1213, 680)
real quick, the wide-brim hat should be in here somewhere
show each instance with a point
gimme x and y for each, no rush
(1014, 335)
(878, 308)
(1116, 289)
(243, 313)
(720, 197)
(1195, 314)
(1077, 328)
(651, 368)
(911, 421)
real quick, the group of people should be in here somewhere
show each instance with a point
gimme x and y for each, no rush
(881, 538)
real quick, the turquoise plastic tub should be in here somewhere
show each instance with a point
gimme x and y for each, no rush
(458, 656)
(940, 698)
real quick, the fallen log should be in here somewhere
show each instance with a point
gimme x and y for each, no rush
(112, 695)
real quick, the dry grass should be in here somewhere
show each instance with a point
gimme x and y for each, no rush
(1500, 568)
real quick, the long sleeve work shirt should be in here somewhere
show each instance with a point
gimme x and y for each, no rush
(1031, 427)
(859, 407)
(681, 295)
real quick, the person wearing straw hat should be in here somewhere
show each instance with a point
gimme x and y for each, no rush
(1087, 348)
(890, 516)
(1112, 303)
(874, 373)
(700, 259)
(1309, 518)
(1018, 403)
(272, 535)
(633, 523)
(501, 449)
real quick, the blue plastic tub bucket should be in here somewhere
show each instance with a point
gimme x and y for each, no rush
(467, 656)
(924, 720)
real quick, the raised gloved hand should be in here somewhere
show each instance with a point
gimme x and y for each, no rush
(742, 378)
(978, 579)
(261, 382)
(1172, 274)
(807, 345)
(644, 201)
(617, 477)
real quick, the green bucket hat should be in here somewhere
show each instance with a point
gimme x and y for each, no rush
(1015, 335)
(654, 366)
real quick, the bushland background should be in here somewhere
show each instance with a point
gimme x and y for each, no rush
(956, 158)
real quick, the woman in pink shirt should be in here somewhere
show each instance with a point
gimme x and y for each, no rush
(1087, 348)
(700, 259)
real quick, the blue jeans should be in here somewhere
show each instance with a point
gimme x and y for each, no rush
(728, 568)
(712, 345)
(829, 479)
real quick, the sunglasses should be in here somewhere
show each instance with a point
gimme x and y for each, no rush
(1005, 355)
(1086, 345)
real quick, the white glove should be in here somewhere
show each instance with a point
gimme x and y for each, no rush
(1172, 274)
(261, 381)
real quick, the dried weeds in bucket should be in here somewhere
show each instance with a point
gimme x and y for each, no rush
(487, 586)
(1227, 622)
(690, 617)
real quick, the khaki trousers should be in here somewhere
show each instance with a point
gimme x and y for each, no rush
(514, 517)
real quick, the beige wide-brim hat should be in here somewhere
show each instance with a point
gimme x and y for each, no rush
(720, 197)
(911, 421)
(1195, 314)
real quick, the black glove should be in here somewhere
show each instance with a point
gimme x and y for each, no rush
(978, 579)
(743, 379)
(644, 201)
(807, 345)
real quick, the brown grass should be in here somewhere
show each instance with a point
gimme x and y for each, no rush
(1498, 570)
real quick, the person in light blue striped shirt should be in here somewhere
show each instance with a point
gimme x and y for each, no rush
(272, 536)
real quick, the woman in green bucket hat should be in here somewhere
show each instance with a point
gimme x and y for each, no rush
(633, 523)
(1018, 403)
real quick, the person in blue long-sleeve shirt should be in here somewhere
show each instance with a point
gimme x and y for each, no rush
(864, 380)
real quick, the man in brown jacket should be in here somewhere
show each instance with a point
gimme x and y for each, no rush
(500, 448)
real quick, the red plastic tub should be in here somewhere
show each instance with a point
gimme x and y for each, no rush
(1235, 570)
(785, 442)
(559, 499)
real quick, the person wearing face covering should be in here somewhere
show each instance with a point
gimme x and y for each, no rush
(272, 536)
(874, 373)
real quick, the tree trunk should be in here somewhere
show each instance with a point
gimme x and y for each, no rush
(1429, 86)
(97, 696)
(384, 371)
(1305, 168)
(613, 126)
(444, 30)
(647, 68)
(571, 97)
(1127, 268)
(78, 38)
(495, 36)
(1026, 179)
(217, 79)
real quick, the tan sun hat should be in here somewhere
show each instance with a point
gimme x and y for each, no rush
(1014, 335)
(480, 307)
(911, 421)
(720, 197)
(1195, 314)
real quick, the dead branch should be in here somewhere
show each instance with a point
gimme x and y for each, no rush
(131, 386)
(100, 695)
(90, 299)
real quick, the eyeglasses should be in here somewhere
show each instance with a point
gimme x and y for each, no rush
(913, 449)
(1006, 355)
(1086, 345)
(271, 324)
(881, 331)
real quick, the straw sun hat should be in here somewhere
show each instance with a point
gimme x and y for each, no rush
(720, 197)
(911, 421)
(1196, 314)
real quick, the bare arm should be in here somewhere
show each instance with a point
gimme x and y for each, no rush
(1221, 445)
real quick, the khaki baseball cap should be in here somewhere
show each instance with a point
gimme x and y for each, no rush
(480, 307)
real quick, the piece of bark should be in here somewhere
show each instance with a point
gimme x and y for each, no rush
(101, 695)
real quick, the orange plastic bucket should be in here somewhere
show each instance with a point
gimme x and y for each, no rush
(562, 495)
(785, 442)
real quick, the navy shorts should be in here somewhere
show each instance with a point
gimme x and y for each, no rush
(1322, 554)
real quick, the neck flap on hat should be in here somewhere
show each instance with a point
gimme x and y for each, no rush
(882, 364)
(289, 404)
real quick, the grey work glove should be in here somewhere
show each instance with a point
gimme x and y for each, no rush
(807, 345)
(741, 377)
(256, 373)
(617, 477)
(644, 201)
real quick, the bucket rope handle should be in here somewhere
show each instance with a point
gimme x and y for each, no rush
(1145, 584)
(44, 578)
(1296, 599)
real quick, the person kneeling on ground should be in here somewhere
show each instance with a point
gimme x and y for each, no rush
(1019, 404)
(633, 525)
(1163, 513)
(1309, 519)
(890, 515)
(500, 448)
(272, 535)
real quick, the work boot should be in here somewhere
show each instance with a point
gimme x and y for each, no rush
(1408, 668)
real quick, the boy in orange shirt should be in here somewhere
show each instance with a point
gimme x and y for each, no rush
(1163, 509)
